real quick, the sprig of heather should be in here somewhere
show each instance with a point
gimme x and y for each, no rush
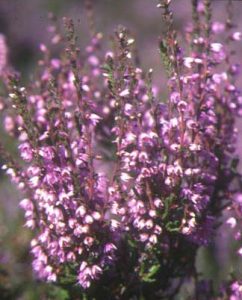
(109, 163)
(56, 120)
(176, 158)
(174, 152)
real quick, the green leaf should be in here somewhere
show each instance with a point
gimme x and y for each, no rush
(132, 243)
(168, 201)
(147, 277)
(164, 51)
(58, 293)
(153, 270)
(173, 226)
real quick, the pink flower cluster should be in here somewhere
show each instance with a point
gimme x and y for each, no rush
(106, 157)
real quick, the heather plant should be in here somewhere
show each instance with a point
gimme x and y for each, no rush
(123, 183)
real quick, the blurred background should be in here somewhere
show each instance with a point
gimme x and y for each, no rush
(24, 24)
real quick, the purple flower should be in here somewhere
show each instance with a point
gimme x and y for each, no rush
(107, 163)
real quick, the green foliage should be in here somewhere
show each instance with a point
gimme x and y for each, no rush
(165, 58)
(150, 274)
(58, 293)
(168, 202)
